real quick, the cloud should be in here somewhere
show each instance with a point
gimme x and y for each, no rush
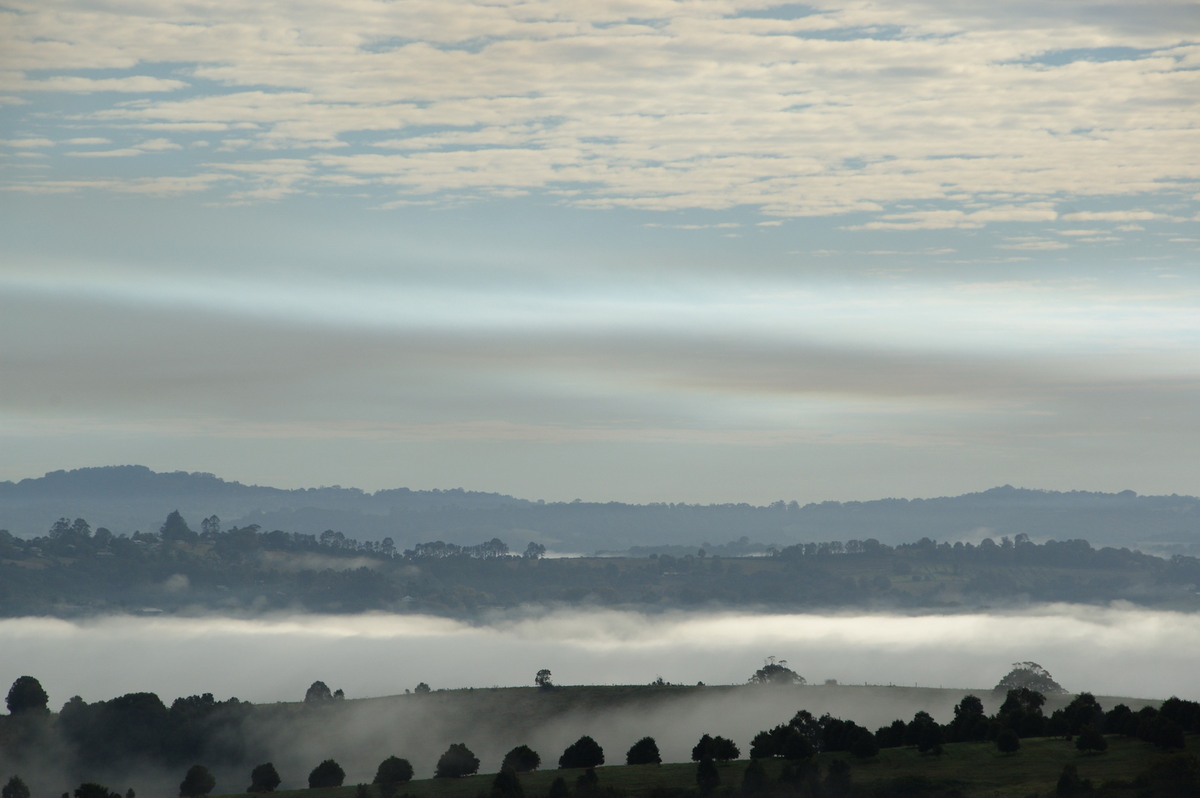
(852, 108)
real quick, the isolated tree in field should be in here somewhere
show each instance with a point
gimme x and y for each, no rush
(421, 689)
(1007, 742)
(543, 679)
(318, 693)
(457, 761)
(534, 551)
(583, 753)
(507, 785)
(776, 673)
(1030, 676)
(264, 778)
(14, 788)
(26, 696)
(393, 770)
(522, 759)
(327, 774)
(643, 752)
(1091, 740)
(198, 781)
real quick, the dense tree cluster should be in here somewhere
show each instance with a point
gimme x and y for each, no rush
(82, 570)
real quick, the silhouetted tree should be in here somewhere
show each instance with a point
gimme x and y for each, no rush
(318, 693)
(583, 753)
(264, 778)
(90, 789)
(1030, 676)
(26, 696)
(198, 781)
(970, 724)
(393, 770)
(643, 752)
(457, 761)
(1007, 741)
(543, 679)
(421, 689)
(327, 774)
(522, 759)
(777, 673)
(558, 788)
(14, 788)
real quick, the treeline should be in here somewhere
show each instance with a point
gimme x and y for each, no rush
(74, 569)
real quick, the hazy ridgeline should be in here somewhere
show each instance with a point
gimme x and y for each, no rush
(129, 498)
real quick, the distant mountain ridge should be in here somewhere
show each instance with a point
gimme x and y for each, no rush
(128, 498)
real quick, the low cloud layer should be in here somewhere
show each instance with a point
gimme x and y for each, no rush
(1113, 651)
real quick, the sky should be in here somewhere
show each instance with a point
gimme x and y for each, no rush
(636, 250)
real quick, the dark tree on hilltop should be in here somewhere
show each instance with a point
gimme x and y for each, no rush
(643, 752)
(717, 748)
(522, 759)
(327, 774)
(15, 788)
(422, 689)
(543, 679)
(264, 778)
(583, 753)
(318, 693)
(26, 696)
(457, 761)
(776, 673)
(393, 770)
(198, 781)
(1031, 676)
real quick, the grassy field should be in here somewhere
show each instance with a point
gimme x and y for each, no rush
(970, 770)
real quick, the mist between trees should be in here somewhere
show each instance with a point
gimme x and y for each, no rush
(136, 740)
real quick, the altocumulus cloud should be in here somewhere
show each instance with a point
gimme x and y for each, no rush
(823, 109)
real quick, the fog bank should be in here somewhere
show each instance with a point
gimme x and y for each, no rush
(1112, 651)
